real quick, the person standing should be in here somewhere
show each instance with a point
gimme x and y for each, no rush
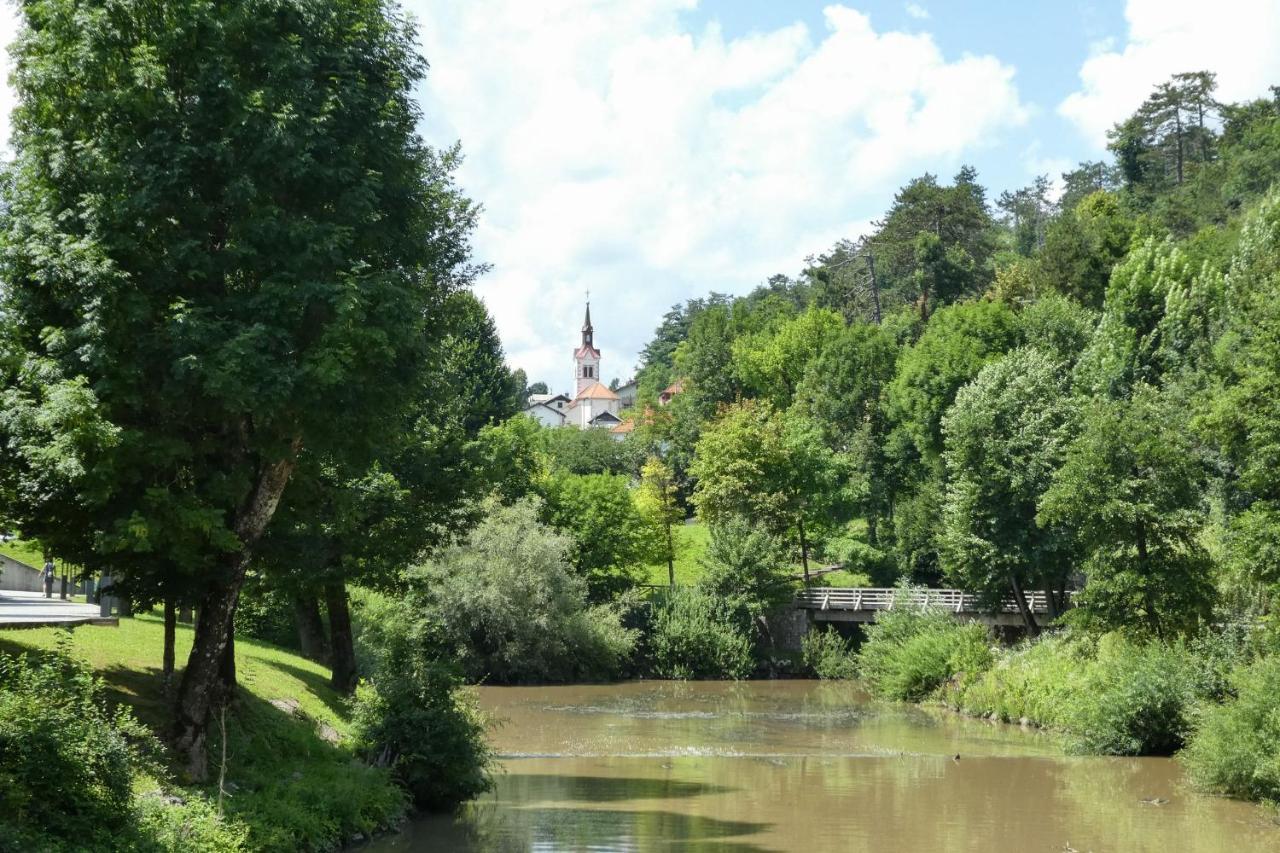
(48, 577)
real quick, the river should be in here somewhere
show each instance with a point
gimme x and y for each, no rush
(810, 766)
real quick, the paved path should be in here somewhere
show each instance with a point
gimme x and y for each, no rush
(33, 610)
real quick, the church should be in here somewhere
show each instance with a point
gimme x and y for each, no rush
(593, 405)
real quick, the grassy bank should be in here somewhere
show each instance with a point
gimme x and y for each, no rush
(292, 781)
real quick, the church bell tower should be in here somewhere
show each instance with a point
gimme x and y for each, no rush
(586, 358)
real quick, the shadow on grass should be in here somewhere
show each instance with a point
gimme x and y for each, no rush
(315, 682)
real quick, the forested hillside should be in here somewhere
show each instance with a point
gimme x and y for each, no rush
(1070, 382)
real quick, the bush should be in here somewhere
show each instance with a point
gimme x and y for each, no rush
(828, 655)
(1234, 748)
(909, 653)
(1133, 700)
(412, 714)
(1115, 696)
(507, 604)
(694, 635)
(66, 762)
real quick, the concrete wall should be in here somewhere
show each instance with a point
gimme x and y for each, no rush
(19, 577)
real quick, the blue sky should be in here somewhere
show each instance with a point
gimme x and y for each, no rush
(654, 150)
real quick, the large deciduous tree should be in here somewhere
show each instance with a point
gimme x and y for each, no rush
(771, 468)
(225, 243)
(1006, 435)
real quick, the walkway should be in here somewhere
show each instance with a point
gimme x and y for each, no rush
(33, 610)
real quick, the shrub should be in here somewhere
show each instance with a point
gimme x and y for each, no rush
(66, 762)
(828, 655)
(1234, 748)
(1133, 700)
(1112, 696)
(911, 653)
(412, 714)
(508, 605)
(694, 635)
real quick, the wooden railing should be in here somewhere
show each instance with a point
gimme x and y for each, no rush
(880, 598)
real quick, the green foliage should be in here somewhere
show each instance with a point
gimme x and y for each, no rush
(1110, 696)
(1244, 416)
(828, 655)
(66, 762)
(507, 604)
(657, 499)
(771, 364)
(1057, 326)
(753, 462)
(694, 635)
(413, 716)
(1006, 435)
(612, 539)
(955, 345)
(748, 569)
(910, 653)
(1234, 748)
(1131, 487)
(589, 451)
(1081, 247)
(1127, 348)
(1135, 699)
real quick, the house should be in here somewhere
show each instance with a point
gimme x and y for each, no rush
(666, 394)
(627, 394)
(547, 415)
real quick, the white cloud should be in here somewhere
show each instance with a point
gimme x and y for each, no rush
(917, 11)
(1235, 38)
(616, 150)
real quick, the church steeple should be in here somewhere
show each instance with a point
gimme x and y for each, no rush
(586, 358)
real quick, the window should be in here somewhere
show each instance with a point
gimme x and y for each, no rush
(586, 370)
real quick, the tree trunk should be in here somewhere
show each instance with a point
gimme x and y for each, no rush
(671, 559)
(804, 550)
(125, 607)
(200, 680)
(227, 670)
(342, 659)
(1028, 618)
(170, 628)
(1050, 599)
(311, 638)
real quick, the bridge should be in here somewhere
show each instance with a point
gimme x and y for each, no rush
(861, 604)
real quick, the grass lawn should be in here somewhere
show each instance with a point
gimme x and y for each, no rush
(23, 552)
(294, 781)
(691, 545)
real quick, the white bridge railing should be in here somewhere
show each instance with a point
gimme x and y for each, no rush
(879, 598)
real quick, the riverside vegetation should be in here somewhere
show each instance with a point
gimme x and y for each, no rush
(319, 454)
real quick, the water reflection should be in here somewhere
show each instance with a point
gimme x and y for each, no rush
(810, 766)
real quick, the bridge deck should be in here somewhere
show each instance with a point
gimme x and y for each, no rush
(860, 604)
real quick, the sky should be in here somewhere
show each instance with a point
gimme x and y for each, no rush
(651, 151)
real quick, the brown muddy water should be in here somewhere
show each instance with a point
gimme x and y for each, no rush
(810, 766)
